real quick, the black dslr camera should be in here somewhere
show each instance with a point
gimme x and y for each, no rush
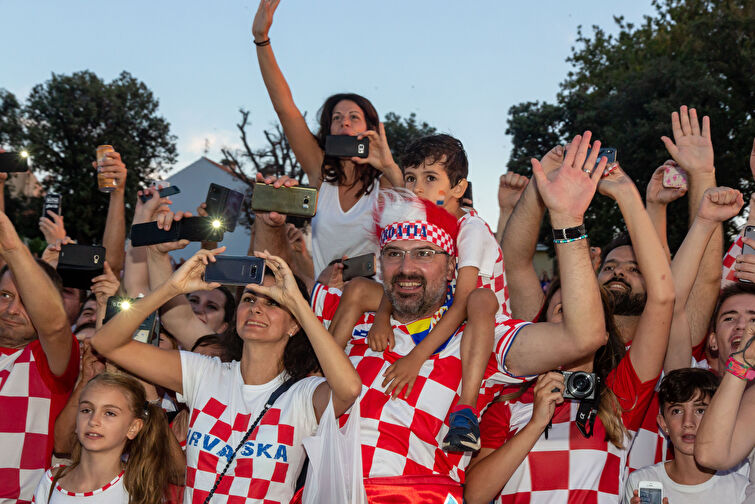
(580, 386)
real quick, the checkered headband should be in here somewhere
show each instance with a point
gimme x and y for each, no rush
(400, 215)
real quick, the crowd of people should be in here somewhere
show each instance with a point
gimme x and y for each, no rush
(457, 373)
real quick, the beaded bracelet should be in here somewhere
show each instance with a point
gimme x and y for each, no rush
(741, 371)
(263, 43)
(569, 240)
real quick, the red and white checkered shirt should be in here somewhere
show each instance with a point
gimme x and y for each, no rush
(222, 408)
(31, 397)
(567, 467)
(730, 257)
(403, 437)
(478, 247)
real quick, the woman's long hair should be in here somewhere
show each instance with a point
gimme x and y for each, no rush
(147, 473)
(332, 169)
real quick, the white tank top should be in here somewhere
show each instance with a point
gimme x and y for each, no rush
(336, 233)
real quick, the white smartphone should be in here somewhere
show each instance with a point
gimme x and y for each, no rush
(651, 492)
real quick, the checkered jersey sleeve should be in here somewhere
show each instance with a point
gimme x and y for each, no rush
(727, 272)
(324, 301)
(197, 369)
(634, 396)
(495, 426)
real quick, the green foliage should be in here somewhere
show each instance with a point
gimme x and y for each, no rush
(67, 117)
(400, 132)
(624, 87)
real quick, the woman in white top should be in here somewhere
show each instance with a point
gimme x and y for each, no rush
(348, 186)
(283, 340)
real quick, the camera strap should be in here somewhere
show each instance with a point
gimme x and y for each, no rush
(273, 397)
(588, 411)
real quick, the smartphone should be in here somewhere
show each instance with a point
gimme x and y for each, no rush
(359, 266)
(674, 176)
(466, 198)
(13, 162)
(149, 234)
(225, 204)
(608, 152)
(651, 492)
(79, 264)
(346, 146)
(53, 203)
(201, 229)
(147, 330)
(164, 192)
(235, 270)
(297, 200)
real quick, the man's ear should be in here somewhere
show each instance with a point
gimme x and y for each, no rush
(459, 189)
(450, 268)
(662, 423)
(712, 343)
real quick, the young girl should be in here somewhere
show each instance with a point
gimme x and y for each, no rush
(113, 419)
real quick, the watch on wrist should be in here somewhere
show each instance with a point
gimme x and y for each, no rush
(571, 233)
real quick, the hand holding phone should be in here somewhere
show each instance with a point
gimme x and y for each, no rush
(163, 193)
(297, 200)
(674, 176)
(651, 492)
(362, 266)
(235, 270)
(79, 264)
(52, 203)
(224, 204)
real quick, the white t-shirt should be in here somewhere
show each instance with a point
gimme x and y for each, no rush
(336, 233)
(112, 493)
(723, 488)
(222, 408)
(751, 487)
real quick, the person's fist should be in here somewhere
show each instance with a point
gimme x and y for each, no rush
(720, 204)
(510, 187)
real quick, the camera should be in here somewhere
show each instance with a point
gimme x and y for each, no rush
(580, 385)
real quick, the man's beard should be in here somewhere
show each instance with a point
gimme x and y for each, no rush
(625, 302)
(415, 306)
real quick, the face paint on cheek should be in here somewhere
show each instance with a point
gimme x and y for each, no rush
(441, 195)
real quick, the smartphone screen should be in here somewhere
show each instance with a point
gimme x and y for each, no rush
(235, 270)
(165, 191)
(53, 203)
(651, 495)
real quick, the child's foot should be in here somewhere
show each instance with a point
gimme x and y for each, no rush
(464, 432)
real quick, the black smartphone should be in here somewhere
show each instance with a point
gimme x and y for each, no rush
(346, 146)
(164, 192)
(466, 198)
(224, 204)
(200, 229)
(13, 162)
(149, 234)
(298, 200)
(608, 152)
(79, 264)
(235, 270)
(359, 266)
(147, 330)
(52, 203)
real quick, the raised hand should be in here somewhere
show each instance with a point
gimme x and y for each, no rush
(379, 155)
(51, 253)
(190, 276)
(105, 285)
(691, 147)
(149, 210)
(285, 291)
(275, 219)
(553, 159)
(263, 19)
(9, 240)
(52, 227)
(656, 193)
(113, 167)
(615, 184)
(510, 188)
(401, 375)
(568, 191)
(720, 204)
(549, 391)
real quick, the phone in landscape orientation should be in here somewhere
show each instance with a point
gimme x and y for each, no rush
(235, 270)
(346, 146)
(674, 176)
(13, 162)
(651, 492)
(164, 192)
(188, 228)
(79, 264)
(201, 229)
(225, 204)
(297, 200)
(466, 198)
(149, 234)
(53, 203)
(359, 266)
(147, 330)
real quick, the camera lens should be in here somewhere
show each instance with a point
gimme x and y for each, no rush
(253, 270)
(580, 384)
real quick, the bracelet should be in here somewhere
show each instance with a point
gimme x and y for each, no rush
(569, 240)
(741, 371)
(263, 43)
(578, 232)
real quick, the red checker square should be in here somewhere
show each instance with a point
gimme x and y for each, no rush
(342, 420)
(583, 496)
(10, 481)
(498, 284)
(34, 458)
(13, 418)
(729, 260)
(4, 374)
(372, 404)
(286, 434)
(272, 417)
(214, 408)
(413, 468)
(207, 462)
(244, 467)
(368, 454)
(369, 369)
(595, 442)
(358, 348)
(241, 422)
(268, 501)
(221, 430)
(447, 372)
(199, 496)
(416, 390)
(224, 487)
(425, 426)
(443, 463)
(394, 438)
(236, 499)
(609, 481)
(549, 470)
(191, 476)
(37, 387)
(279, 473)
(258, 488)
(194, 414)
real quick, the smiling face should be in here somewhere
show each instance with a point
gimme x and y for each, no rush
(347, 119)
(733, 316)
(260, 319)
(208, 306)
(621, 276)
(88, 313)
(104, 421)
(680, 421)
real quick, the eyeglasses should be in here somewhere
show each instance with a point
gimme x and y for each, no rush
(424, 255)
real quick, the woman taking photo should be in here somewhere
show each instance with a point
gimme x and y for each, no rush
(347, 186)
(239, 446)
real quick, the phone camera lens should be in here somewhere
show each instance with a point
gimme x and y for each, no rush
(253, 271)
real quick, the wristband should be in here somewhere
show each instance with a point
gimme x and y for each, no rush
(741, 371)
(578, 233)
(569, 240)
(263, 43)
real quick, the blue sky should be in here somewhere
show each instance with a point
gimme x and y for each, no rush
(457, 65)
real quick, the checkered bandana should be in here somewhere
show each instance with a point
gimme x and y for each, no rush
(418, 230)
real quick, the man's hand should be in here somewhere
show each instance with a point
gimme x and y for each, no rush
(9, 240)
(91, 365)
(691, 147)
(332, 275)
(149, 210)
(275, 219)
(105, 285)
(615, 184)
(510, 188)
(114, 168)
(656, 193)
(720, 204)
(52, 227)
(52, 252)
(402, 374)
